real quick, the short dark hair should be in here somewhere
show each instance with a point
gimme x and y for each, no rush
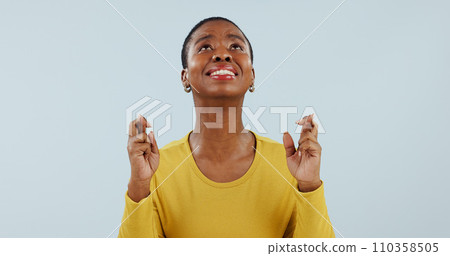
(184, 50)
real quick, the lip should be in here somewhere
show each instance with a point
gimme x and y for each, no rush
(221, 67)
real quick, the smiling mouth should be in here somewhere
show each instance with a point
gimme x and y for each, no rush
(222, 74)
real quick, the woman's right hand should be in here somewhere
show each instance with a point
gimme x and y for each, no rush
(144, 158)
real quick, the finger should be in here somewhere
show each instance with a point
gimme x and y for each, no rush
(288, 143)
(137, 145)
(307, 136)
(142, 138)
(315, 130)
(137, 126)
(302, 120)
(142, 124)
(132, 128)
(153, 144)
(147, 149)
(307, 124)
(310, 147)
(315, 127)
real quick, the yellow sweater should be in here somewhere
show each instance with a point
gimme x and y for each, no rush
(261, 203)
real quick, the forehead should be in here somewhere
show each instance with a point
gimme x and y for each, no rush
(216, 28)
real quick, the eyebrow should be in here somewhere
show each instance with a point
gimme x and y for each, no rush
(203, 38)
(211, 36)
(236, 36)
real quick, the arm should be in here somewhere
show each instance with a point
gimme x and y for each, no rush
(311, 216)
(141, 218)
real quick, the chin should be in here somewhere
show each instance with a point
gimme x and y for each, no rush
(223, 90)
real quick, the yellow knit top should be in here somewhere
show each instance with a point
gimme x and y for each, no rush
(264, 202)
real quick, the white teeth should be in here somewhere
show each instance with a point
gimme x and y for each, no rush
(222, 72)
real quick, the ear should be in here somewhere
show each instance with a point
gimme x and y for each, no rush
(185, 77)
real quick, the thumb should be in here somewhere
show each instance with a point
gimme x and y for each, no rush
(288, 143)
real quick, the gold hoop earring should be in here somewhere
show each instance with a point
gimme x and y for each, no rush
(252, 88)
(187, 89)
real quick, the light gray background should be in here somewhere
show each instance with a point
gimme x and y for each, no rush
(376, 73)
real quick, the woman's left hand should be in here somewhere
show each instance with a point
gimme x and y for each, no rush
(304, 162)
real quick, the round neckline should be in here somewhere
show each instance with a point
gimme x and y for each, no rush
(240, 180)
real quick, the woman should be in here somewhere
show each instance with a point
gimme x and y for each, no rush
(225, 181)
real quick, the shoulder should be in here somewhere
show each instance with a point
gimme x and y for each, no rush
(267, 140)
(272, 156)
(172, 156)
(271, 151)
(173, 145)
(177, 149)
(269, 145)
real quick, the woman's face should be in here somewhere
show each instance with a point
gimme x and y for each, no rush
(218, 61)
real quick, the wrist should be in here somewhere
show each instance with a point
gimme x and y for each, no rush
(138, 189)
(309, 186)
(139, 181)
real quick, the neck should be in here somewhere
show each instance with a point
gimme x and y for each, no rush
(219, 131)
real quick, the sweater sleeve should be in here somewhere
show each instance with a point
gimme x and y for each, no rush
(310, 217)
(140, 219)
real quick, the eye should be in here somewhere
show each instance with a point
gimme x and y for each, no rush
(204, 48)
(236, 47)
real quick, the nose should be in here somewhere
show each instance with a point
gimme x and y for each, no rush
(222, 56)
